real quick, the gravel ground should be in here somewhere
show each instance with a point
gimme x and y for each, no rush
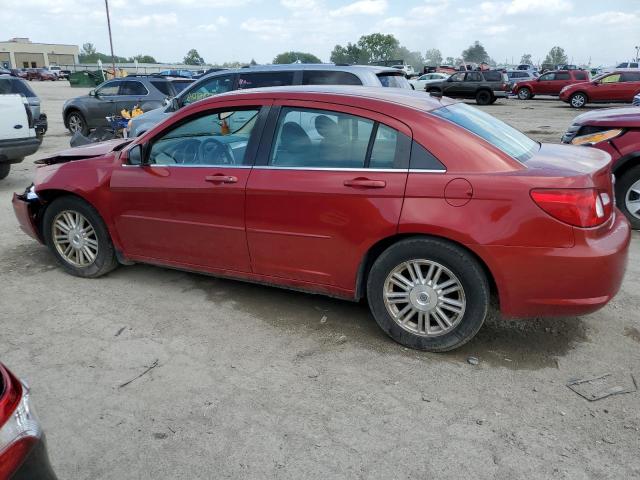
(257, 382)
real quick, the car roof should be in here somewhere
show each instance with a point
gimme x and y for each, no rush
(337, 93)
(305, 66)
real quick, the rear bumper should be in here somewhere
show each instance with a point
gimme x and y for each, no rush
(36, 464)
(562, 281)
(41, 125)
(26, 216)
(500, 94)
(14, 151)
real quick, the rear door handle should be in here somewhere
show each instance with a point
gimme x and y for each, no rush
(220, 178)
(365, 183)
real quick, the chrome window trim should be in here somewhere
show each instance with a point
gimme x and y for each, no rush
(187, 166)
(330, 169)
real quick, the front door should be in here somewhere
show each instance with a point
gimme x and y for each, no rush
(453, 86)
(544, 85)
(103, 103)
(609, 89)
(327, 185)
(186, 207)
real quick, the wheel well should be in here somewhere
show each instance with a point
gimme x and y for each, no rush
(376, 250)
(582, 92)
(484, 90)
(67, 112)
(46, 197)
(626, 163)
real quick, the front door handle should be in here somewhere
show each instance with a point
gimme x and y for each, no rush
(362, 182)
(220, 178)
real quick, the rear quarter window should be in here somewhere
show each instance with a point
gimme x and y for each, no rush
(492, 76)
(322, 77)
(393, 80)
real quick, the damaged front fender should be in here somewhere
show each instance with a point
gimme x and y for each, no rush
(27, 207)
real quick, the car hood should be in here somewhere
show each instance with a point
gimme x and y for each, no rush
(87, 151)
(613, 117)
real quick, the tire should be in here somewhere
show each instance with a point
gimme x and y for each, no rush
(524, 93)
(5, 168)
(433, 90)
(104, 253)
(483, 97)
(457, 266)
(76, 123)
(493, 100)
(627, 190)
(578, 100)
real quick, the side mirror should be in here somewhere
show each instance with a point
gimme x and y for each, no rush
(92, 93)
(412, 86)
(595, 82)
(173, 104)
(134, 155)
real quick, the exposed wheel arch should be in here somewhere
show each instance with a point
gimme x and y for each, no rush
(625, 163)
(376, 250)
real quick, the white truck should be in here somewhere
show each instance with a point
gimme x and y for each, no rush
(18, 137)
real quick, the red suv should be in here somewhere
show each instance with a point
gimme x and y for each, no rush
(424, 206)
(550, 83)
(619, 86)
(617, 132)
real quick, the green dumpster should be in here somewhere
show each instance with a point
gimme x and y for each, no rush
(86, 78)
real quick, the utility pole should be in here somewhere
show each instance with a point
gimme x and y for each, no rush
(637, 53)
(113, 58)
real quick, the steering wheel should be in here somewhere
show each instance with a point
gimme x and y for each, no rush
(186, 152)
(213, 151)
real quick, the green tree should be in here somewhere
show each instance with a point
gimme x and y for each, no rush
(433, 57)
(143, 59)
(450, 61)
(378, 46)
(88, 49)
(193, 58)
(556, 56)
(253, 62)
(526, 58)
(475, 53)
(415, 59)
(296, 57)
(350, 54)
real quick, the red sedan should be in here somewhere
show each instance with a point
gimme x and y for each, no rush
(424, 206)
(616, 87)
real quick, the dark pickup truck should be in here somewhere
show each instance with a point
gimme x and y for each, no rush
(485, 86)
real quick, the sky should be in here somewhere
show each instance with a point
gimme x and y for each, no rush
(605, 32)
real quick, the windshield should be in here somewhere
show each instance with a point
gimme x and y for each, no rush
(393, 80)
(511, 141)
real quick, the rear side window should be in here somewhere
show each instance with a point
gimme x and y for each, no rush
(325, 77)
(473, 77)
(130, 87)
(393, 80)
(580, 75)
(208, 87)
(162, 86)
(265, 79)
(497, 133)
(563, 76)
(493, 76)
(631, 77)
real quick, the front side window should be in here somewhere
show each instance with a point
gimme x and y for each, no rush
(511, 141)
(265, 79)
(328, 77)
(130, 87)
(207, 88)
(615, 78)
(458, 77)
(548, 76)
(109, 89)
(309, 138)
(219, 138)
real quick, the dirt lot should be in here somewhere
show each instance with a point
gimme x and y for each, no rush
(257, 382)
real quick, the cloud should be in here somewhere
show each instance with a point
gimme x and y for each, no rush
(538, 6)
(154, 20)
(620, 19)
(362, 7)
(266, 29)
(298, 4)
(199, 3)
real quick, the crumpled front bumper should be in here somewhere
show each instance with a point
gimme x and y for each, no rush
(25, 207)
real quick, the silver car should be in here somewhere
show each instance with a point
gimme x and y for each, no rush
(270, 76)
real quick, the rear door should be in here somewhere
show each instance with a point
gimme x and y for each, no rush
(328, 183)
(562, 79)
(630, 85)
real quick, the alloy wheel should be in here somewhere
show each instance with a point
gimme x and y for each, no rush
(74, 238)
(578, 100)
(632, 199)
(75, 123)
(424, 298)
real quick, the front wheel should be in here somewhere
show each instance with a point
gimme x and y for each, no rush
(428, 294)
(524, 93)
(78, 238)
(578, 100)
(628, 195)
(483, 97)
(76, 123)
(5, 168)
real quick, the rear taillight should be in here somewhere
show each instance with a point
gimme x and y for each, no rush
(580, 207)
(19, 427)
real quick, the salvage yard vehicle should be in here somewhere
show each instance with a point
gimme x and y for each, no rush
(272, 76)
(23, 450)
(18, 137)
(485, 86)
(426, 207)
(617, 132)
(81, 114)
(9, 84)
(549, 83)
(422, 81)
(617, 87)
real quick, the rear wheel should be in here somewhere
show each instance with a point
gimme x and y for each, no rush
(76, 123)
(524, 93)
(483, 97)
(578, 100)
(428, 294)
(4, 170)
(628, 195)
(78, 238)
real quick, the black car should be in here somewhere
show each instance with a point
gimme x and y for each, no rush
(81, 114)
(485, 86)
(10, 84)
